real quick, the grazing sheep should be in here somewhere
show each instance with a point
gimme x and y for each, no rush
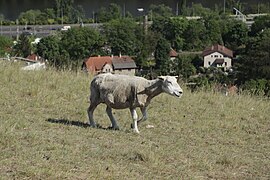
(122, 91)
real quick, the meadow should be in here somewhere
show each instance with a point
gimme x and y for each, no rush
(204, 135)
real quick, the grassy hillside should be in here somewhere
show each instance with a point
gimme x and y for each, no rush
(44, 135)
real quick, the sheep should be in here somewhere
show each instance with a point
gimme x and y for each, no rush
(122, 91)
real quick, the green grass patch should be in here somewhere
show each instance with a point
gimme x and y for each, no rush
(203, 135)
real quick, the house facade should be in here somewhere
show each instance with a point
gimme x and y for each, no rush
(111, 64)
(217, 56)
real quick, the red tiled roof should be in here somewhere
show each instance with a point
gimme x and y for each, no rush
(96, 63)
(218, 48)
(173, 53)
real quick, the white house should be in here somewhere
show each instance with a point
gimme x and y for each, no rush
(217, 56)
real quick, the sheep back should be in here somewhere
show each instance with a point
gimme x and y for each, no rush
(119, 91)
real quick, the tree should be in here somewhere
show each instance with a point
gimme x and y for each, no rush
(184, 66)
(212, 23)
(107, 14)
(81, 43)
(49, 48)
(194, 36)
(162, 56)
(23, 47)
(5, 45)
(260, 23)
(160, 11)
(255, 63)
(122, 36)
(29, 17)
(236, 34)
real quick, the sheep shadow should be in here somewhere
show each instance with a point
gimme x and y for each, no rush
(75, 123)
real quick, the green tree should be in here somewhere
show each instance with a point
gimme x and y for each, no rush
(194, 36)
(212, 23)
(184, 66)
(81, 43)
(174, 32)
(160, 11)
(113, 11)
(260, 23)
(122, 36)
(5, 45)
(255, 63)
(23, 47)
(236, 34)
(49, 48)
(162, 56)
(29, 17)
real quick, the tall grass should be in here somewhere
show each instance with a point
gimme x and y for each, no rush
(203, 135)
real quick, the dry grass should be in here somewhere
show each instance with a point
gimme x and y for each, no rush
(203, 135)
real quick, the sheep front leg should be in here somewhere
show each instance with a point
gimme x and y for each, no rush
(135, 119)
(113, 121)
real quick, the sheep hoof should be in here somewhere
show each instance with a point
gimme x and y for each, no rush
(93, 125)
(114, 128)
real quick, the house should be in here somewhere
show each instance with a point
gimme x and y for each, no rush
(217, 56)
(114, 64)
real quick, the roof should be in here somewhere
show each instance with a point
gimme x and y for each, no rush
(219, 61)
(173, 53)
(218, 48)
(123, 62)
(34, 57)
(98, 62)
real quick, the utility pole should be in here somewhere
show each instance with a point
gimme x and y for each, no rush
(224, 6)
(176, 13)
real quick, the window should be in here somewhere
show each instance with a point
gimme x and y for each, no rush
(216, 55)
(225, 63)
(209, 63)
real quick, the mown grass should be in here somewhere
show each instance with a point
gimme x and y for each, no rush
(203, 135)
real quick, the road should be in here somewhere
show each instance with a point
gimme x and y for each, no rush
(37, 30)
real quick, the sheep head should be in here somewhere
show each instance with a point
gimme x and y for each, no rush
(170, 86)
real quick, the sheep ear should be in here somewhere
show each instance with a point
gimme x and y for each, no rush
(161, 78)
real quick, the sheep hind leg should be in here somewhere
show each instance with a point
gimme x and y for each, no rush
(90, 112)
(144, 115)
(113, 121)
(135, 119)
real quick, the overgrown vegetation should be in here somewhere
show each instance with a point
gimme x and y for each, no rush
(149, 44)
(203, 135)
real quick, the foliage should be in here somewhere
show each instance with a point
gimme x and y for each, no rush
(184, 66)
(29, 17)
(23, 47)
(257, 87)
(236, 35)
(162, 56)
(255, 62)
(160, 11)
(260, 24)
(5, 45)
(194, 36)
(113, 11)
(122, 36)
(70, 47)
